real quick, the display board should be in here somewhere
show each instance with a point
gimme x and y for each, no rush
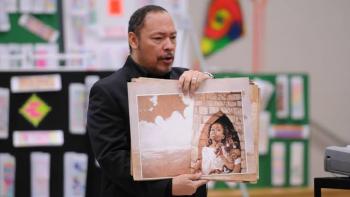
(285, 161)
(56, 119)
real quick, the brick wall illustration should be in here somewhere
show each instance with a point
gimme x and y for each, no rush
(208, 107)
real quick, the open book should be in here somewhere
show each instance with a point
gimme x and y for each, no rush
(214, 132)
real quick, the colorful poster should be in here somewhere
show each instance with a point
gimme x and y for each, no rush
(34, 110)
(7, 175)
(75, 173)
(36, 83)
(38, 138)
(77, 112)
(4, 112)
(40, 174)
(224, 24)
(38, 28)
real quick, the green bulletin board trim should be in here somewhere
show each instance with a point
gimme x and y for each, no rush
(20, 35)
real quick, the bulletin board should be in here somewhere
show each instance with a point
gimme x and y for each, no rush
(265, 160)
(18, 34)
(56, 119)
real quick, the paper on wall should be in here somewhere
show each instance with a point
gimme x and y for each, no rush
(5, 24)
(40, 174)
(298, 106)
(46, 55)
(36, 83)
(4, 112)
(77, 95)
(282, 96)
(38, 28)
(75, 173)
(264, 126)
(38, 138)
(27, 52)
(7, 175)
(278, 157)
(296, 171)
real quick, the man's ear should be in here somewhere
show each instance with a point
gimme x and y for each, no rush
(133, 41)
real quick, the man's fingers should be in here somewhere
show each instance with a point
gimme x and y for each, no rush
(199, 183)
(192, 177)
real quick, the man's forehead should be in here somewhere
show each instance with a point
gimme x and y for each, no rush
(157, 19)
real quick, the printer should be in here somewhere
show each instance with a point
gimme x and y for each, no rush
(337, 160)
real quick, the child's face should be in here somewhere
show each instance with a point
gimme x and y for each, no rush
(235, 153)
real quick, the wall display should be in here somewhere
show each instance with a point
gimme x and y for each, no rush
(77, 110)
(40, 174)
(5, 24)
(52, 134)
(4, 112)
(264, 126)
(224, 24)
(282, 96)
(75, 173)
(45, 56)
(36, 83)
(37, 138)
(38, 28)
(7, 175)
(297, 95)
(289, 131)
(34, 110)
(296, 163)
(98, 31)
(38, 6)
(278, 159)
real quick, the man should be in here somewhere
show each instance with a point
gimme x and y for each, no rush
(152, 41)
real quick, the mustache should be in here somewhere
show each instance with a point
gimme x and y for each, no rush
(167, 56)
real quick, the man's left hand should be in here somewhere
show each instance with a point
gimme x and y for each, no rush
(190, 80)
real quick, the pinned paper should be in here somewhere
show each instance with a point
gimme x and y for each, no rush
(282, 96)
(290, 131)
(34, 110)
(264, 126)
(38, 28)
(40, 174)
(45, 56)
(7, 175)
(38, 138)
(75, 173)
(298, 106)
(4, 112)
(5, 24)
(77, 95)
(296, 171)
(278, 150)
(115, 7)
(36, 83)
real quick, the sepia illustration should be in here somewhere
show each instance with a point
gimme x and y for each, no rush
(221, 141)
(210, 132)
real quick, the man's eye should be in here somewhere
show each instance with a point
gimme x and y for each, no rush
(157, 38)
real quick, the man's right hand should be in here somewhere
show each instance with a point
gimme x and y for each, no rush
(186, 184)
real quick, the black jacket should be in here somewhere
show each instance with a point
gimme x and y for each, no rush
(109, 131)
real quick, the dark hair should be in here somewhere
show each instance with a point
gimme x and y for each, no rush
(229, 130)
(137, 19)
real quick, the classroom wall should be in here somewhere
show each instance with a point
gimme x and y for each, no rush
(310, 36)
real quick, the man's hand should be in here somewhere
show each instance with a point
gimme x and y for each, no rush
(186, 184)
(190, 81)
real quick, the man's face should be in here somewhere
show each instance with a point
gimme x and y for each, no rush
(154, 46)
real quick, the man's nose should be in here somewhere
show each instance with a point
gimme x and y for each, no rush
(169, 44)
